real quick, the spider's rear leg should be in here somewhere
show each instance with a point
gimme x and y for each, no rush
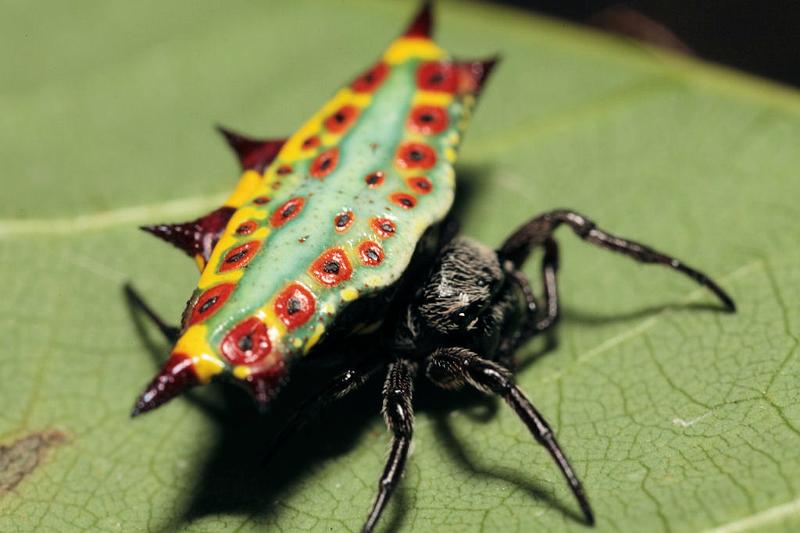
(399, 416)
(345, 383)
(519, 245)
(453, 367)
(170, 332)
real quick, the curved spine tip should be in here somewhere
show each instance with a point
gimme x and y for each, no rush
(253, 154)
(175, 377)
(422, 24)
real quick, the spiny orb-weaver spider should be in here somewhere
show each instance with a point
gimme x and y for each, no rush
(341, 230)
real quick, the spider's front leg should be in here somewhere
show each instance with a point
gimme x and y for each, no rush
(399, 417)
(547, 317)
(539, 229)
(453, 367)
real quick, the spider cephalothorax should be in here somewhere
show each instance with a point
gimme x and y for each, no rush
(464, 282)
(337, 233)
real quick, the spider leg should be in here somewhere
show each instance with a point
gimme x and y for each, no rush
(348, 381)
(171, 333)
(539, 318)
(453, 367)
(549, 286)
(519, 245)
(399, 417)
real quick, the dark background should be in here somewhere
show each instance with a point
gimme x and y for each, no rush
(762, 37)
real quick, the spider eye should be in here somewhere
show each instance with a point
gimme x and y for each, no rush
(486, 278)
(460, 318)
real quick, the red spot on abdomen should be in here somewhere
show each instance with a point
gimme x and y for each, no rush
(311, 142)
(247, 343)
(374, 179)
(440, 77)
(384, 227)
(406, 201)
(210, 301)
(342, 119)
(325, 163)
(371, 79)
(370, 253)
(295, 305)
(343, 221)
(428, 120)
(286, 212)
(415, 155)
(246, 228)
(240, 256)
(332, 267)
(420, 184)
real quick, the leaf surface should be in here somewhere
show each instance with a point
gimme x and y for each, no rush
(676, 416)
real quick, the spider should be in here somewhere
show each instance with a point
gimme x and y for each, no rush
(457, 322)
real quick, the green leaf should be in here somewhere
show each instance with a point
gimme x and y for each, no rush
(676, 416)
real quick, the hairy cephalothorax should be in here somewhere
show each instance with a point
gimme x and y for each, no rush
(463, 283)
(466, 299)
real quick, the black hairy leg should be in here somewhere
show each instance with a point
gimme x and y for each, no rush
(345, 383)
(541, 315)
(399, 417)
(453, 367)
(170, 332)
(551, 311)
(519, 245)
(547, 316)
